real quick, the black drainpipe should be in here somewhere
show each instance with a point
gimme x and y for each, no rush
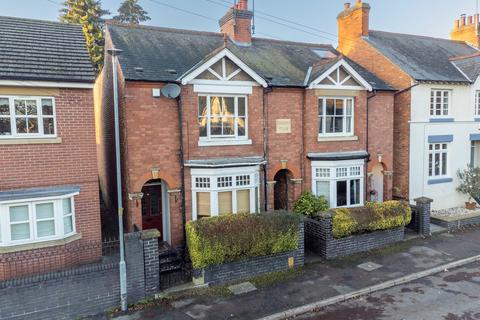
(182, 169)
(266, 91)
(366, 142)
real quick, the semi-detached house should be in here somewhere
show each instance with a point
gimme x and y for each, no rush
(437, 106)
(258, 122)
(49, 198)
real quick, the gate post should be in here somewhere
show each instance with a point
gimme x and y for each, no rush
(424, 211)
(151, 261)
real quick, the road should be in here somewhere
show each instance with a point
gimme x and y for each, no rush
(451, 295)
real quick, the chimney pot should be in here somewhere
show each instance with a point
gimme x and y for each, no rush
(457, 24)
(359, 2)
(242, 5)
(346, 5)
(470, 19)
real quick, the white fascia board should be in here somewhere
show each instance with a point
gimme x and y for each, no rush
(351, 71)
(46, 84)
(186, 79)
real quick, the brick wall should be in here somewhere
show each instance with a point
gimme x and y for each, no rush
(238, 270)
(82, 291)
(71, 162)
(319, 239)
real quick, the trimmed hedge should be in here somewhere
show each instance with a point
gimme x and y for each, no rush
(372, 217)
(219, 240)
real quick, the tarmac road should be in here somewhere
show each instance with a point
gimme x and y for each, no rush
(451, 295)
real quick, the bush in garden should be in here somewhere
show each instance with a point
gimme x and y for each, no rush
(310, 205)
(372, 217)
(218, 240)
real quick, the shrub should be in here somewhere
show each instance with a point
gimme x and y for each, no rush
(309, 204)
(469, 182)
(218, 240)
(372, 217)
(343, 223)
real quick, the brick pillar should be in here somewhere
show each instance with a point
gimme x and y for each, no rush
(270, 195)
(151, 261)
(297, 189)
(388, 185)
(424, 210)
(325, 231)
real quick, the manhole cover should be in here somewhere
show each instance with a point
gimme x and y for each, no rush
(369, 266)
(242, 288)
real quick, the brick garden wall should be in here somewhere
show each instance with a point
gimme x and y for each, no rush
(319, 239)
(233, 271)
(82, 291)
(71, 162)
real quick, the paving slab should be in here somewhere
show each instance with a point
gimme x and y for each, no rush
(242, 288)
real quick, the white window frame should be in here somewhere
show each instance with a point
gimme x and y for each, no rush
(5, 232)
(477, 103)
(433, 102)
(328, 170)
(431, 162)
(221, 138)
(39, 117)
(324, 116)
(214, 189)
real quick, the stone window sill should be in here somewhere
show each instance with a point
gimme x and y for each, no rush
(13, 141)
(216, 143)
(40, 245)
(334, 139)
(440, 181)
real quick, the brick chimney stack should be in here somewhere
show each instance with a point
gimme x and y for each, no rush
(467, 29)
(353, 23)
(237, 23)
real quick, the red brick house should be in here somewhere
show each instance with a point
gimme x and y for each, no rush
(49, 211)
(258, 122)
(436, 106)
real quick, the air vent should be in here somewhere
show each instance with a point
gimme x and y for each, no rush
(171, 71)
(324, 53)
(138, 69)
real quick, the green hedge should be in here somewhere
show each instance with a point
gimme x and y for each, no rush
(219, 240)
(309, 204)
(372, 217)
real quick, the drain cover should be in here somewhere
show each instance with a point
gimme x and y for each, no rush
(369, 266)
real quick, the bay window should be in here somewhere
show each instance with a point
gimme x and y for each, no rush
(24, 222)
(340, 183)
(222, 117)
(25, 117)
(224, 191)
(335, 116)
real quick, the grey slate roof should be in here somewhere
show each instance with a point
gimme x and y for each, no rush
(43, 51)
(337, 156)
(470, 66)
(32, 193)
(423, 58)
(159, 50)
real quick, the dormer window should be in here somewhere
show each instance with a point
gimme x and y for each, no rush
(222, 117)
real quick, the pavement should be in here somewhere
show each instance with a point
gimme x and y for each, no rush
(452, 295)
(319, 280)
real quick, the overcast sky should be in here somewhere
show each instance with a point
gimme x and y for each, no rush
(426, 17)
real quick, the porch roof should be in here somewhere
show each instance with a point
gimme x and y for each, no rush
(226, 162)
(34, 193)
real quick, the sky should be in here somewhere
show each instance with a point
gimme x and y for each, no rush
(318, 17)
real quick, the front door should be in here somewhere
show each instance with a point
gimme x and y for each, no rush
(152, 212)
(281, 190)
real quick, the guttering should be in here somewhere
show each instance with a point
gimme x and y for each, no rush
(266, 91)
(406, 89)
(182, 168)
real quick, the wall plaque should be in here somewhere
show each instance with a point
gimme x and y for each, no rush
(284, 126)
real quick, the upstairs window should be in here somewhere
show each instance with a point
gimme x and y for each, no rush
(222, 117)
(440, 103)
(477, 103)
(335, 116)
(438, 160)
(24, 117)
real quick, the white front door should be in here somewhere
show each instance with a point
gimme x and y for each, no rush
(377, 183)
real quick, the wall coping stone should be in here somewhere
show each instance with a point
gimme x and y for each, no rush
(150, 234)
(423, 200)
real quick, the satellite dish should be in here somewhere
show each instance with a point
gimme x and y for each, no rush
(171, 91)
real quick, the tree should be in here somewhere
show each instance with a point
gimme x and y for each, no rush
(131, 12)
(88, 13)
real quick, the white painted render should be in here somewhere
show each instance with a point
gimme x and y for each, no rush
(462, 111)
